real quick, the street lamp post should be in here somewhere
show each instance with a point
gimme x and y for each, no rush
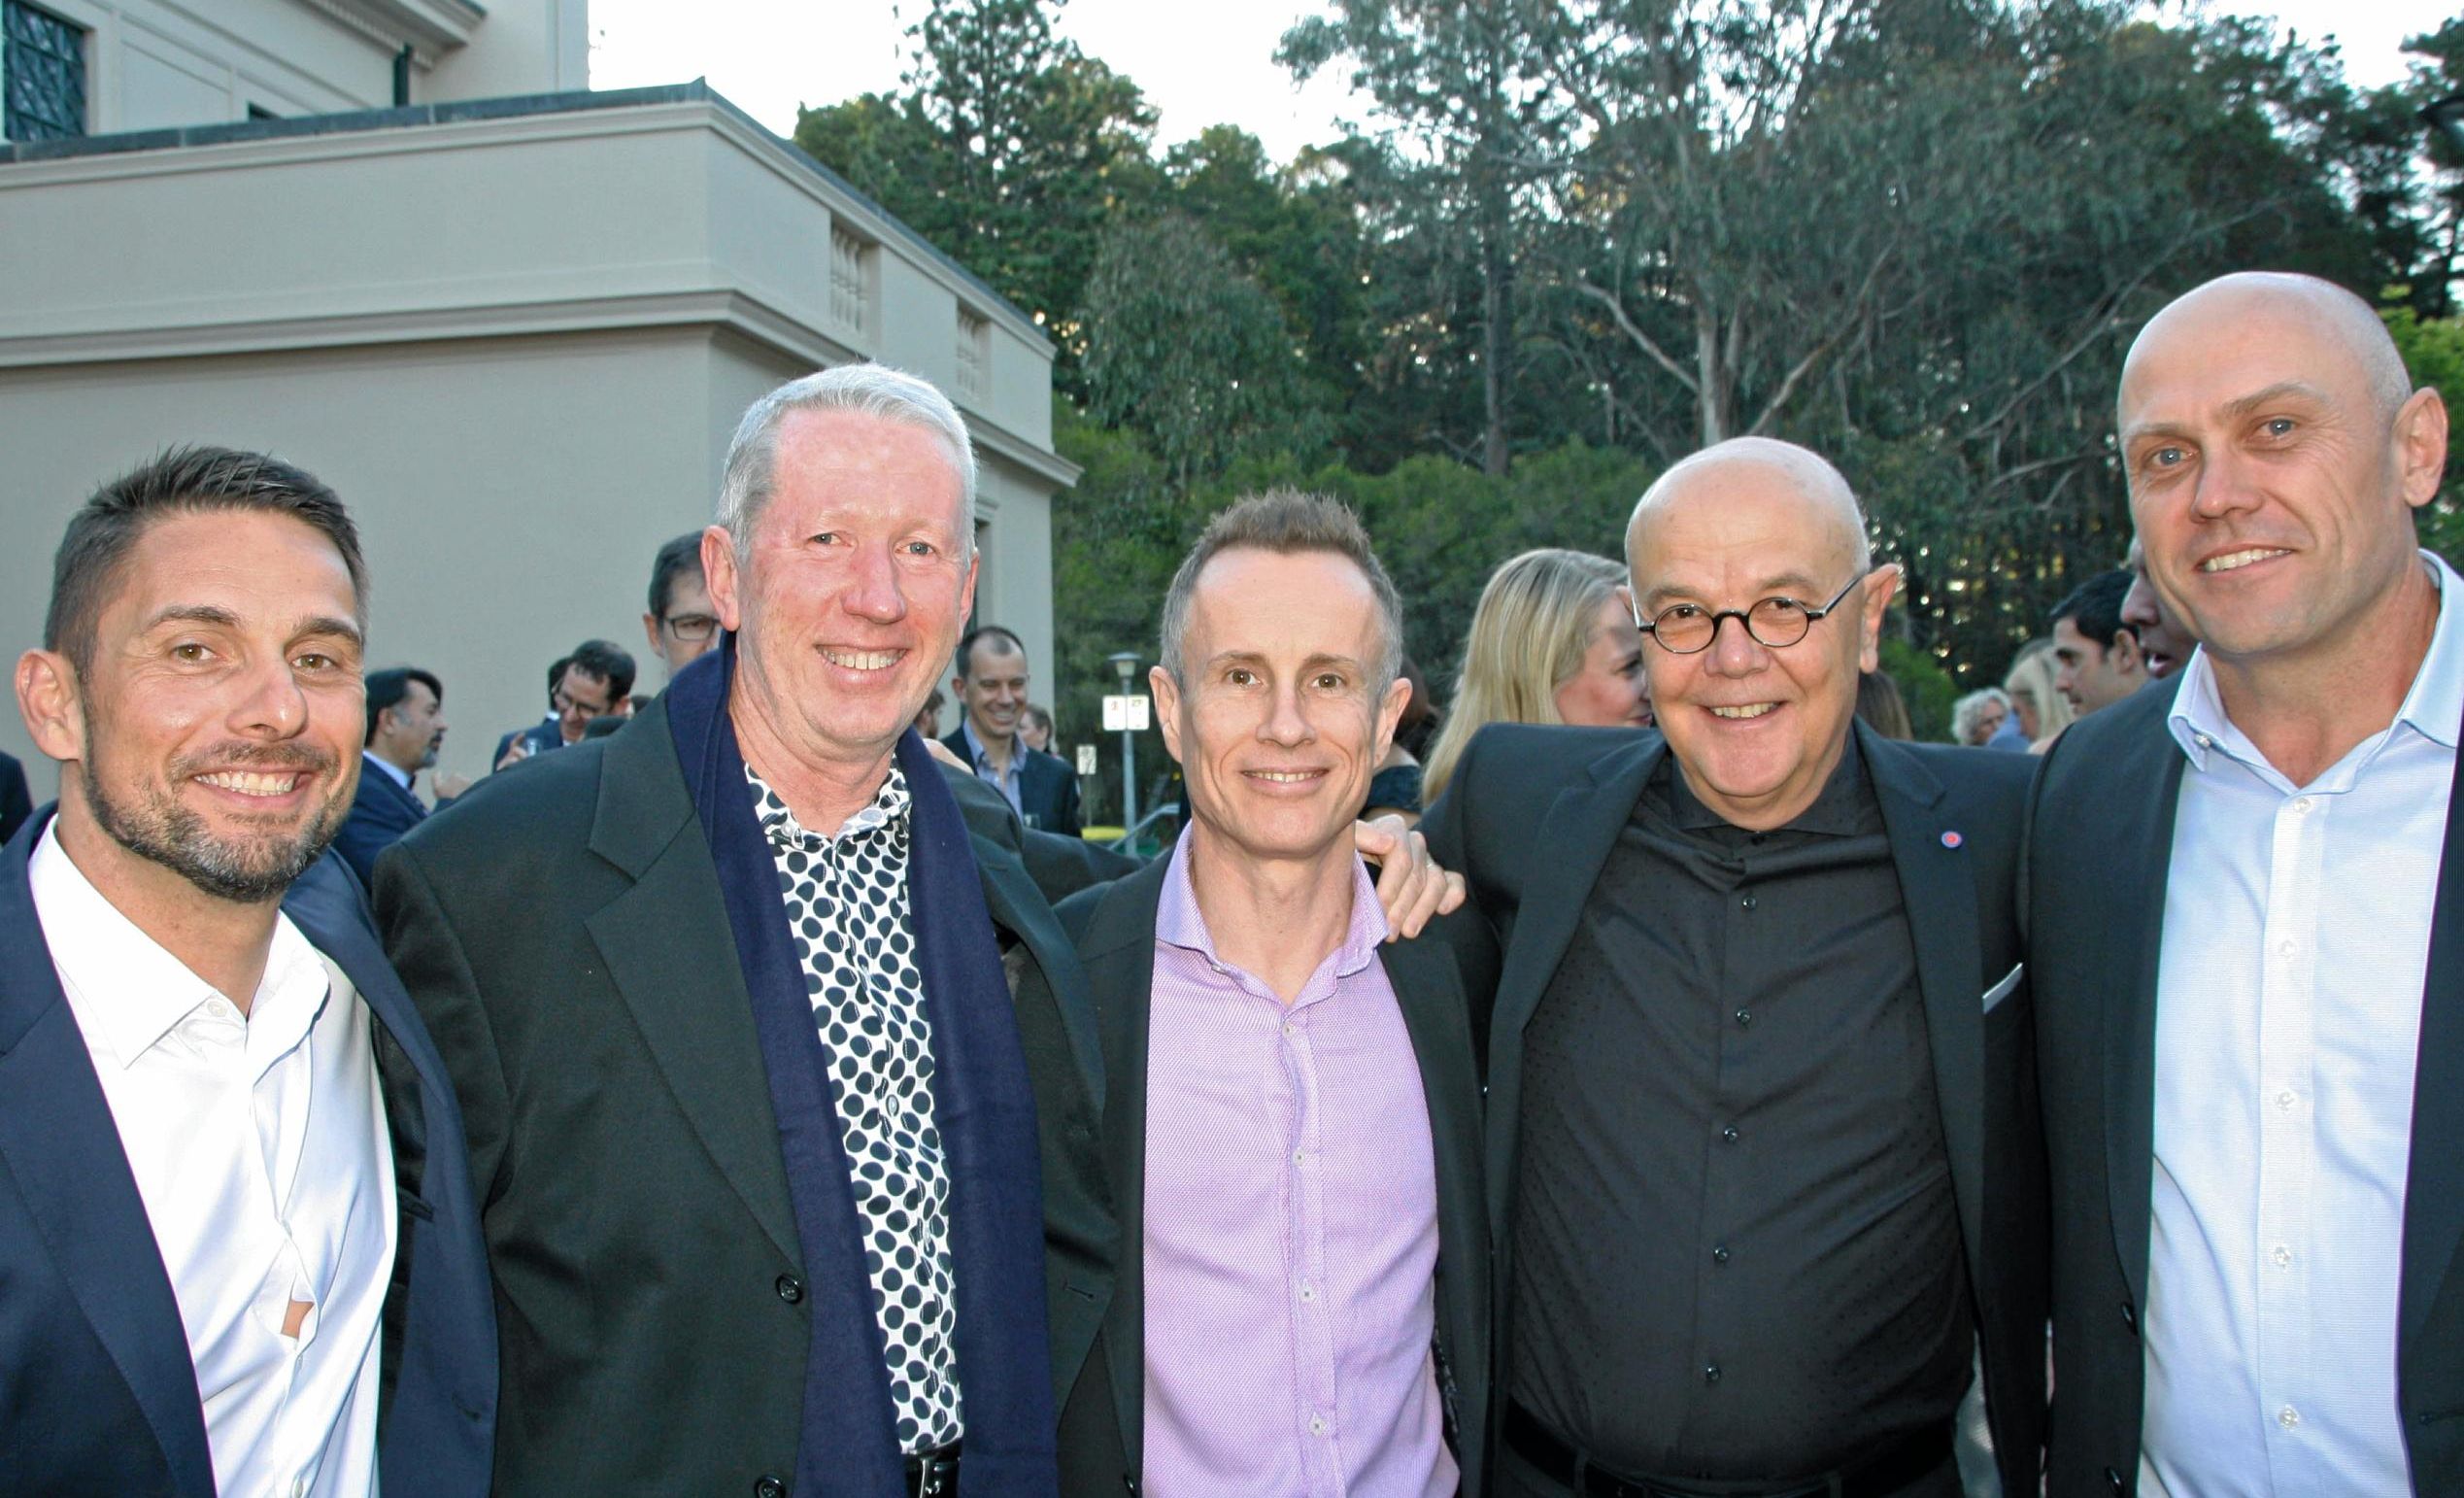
(1125, 663)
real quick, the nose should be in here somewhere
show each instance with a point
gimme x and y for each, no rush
(2224, 486)
(270, 704)
(1734, 652)
(872, 593)
(1286, 723)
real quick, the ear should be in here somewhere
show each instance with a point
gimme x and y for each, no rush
(51, 703)
(1390, 713)
(2420, 430)
(1167, 710)
(1881, 584)
(967, 592)
(650, 632)
(2124, 657)
(719, 575)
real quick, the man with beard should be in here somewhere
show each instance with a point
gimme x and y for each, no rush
(198, 1192)
(406, 727)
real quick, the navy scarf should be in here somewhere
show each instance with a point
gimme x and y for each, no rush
(981, 1103)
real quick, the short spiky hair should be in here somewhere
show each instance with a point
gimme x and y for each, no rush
(1286, 522)
(185, 480)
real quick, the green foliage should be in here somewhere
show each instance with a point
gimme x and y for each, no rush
(1924, 686)
(2433, 352)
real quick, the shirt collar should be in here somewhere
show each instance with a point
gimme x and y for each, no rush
(1835, 809)
(982, 761)
(1180, 923)
(400, 776)
(2432, 707)
(887, 809)
(132, 989)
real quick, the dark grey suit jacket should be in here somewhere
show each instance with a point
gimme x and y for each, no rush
(1530, 818)
(1102, 1420)
(564, 936)
(2099, 851)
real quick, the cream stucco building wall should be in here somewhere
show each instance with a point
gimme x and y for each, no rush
(514, 334)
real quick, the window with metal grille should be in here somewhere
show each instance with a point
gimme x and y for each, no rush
(44, 62)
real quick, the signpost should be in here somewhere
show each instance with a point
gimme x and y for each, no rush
(1127, 713)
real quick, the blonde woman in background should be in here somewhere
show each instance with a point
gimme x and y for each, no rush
(1552, 641)
(2041, 711)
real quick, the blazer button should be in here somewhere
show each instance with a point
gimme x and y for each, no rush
(2130, 1317)
(767, 1487)
(790, 1290)
(2113, 1479)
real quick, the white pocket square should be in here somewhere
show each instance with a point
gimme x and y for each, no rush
(2002, 990)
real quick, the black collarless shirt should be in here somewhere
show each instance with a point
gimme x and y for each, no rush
(1737, 1255)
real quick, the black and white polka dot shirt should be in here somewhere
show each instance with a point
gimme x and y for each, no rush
(847, 906)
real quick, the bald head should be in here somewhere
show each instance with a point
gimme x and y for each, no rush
(1715, 470)
(2339, 319)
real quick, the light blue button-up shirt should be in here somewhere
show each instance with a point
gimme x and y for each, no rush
(1005, 780)
(2288, 1016)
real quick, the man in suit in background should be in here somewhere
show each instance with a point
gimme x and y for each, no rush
(2097, 652)
(16, 802)
(2248, 945)
(595, 681)
(406, 727)
(992, 690)
(1291, 1124)
(201, 1209)
(1759, 1138)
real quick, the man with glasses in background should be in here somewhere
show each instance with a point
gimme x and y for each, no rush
(681, 624)
(1756, 1053)
(592, 682)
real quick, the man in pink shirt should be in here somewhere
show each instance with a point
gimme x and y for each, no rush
(1292, 1118)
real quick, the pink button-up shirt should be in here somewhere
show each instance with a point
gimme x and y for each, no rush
(1291, 1226)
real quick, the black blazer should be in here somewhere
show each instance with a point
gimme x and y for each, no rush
(1530, 818)
(98, 1393)
(1047, 785)
(2099, 850)
(566, 940)
(543, 737)
(381, 812)
(15, 802)
(1102, 1449)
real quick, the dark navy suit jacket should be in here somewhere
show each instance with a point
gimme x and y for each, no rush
(543, 737)
(15, 804)
(98, 1393)
(382, 810)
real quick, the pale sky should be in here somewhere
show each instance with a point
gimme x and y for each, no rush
(1200, 62)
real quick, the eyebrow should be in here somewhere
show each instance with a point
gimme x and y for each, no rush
(2239, 407)
(1315, 661)
(1785, 585)
(223, 619)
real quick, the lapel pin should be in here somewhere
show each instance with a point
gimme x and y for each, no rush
(1952, 839)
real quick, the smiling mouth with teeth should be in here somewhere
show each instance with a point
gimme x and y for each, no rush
(1284, 776)
(2235, 560)
(256, 782)
(863, 659)
(1753, 710)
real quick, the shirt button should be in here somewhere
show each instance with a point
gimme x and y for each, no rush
(1746, 903)
(2285, 1100)
(1711, 1372)
(1745, 1019)
(1299, 1157)
(790, 1290)
(2283, 1256)
(2287, 948)
(1308, 1292)
(2301, 806)
(1729, 1134)
(2203, 740)
(2288, 1417)
(1289, 1028)
(1720, 1255)
(1317, 1426)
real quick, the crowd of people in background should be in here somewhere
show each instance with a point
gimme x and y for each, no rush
(1716, 1092)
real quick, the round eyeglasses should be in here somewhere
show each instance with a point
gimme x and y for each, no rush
(1776, 624)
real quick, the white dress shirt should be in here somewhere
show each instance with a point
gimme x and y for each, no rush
(2289, 1013)
(260, 1149)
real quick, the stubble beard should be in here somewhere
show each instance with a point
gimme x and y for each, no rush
(249, 872)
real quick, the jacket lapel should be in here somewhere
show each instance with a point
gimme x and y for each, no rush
(2131, 904)
(1940, 897)
(1580, 831)
(1118, 952)
(2434, 1189)
(61, 1147)
(670, 955)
